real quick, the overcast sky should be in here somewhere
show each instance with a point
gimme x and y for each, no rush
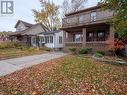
(23, 11)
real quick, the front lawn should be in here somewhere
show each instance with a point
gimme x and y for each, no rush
(15, 52)
(70, 75)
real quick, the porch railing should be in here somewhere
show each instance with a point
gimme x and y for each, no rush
(73, 44)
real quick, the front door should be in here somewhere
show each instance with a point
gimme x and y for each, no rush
(29, 41)
(42, 41)
(33, 41)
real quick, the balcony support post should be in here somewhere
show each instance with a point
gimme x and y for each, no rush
(84, 37)
(111, 36)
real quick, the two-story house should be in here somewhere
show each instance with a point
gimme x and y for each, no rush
(88, 28)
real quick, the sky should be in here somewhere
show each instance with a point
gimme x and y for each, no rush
(23, 11)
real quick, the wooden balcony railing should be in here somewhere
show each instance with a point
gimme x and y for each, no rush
(85, 19)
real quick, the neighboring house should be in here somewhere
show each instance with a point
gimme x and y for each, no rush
(37, 35)
(27, 33)
(53, 39)
(88, 28)
(3, 37)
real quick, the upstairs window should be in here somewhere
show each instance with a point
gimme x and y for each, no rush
(81, 18)
(93, 16)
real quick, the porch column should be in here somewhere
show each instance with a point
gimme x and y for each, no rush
(112, 34)
(28, 41)
(84, 37)
(70, 37)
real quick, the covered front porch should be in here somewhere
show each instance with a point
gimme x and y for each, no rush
(29, 40)
(94, 37)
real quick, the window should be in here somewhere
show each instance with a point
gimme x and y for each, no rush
(42, 40)
(81, 18)
(100, 36)
(51, 39)
(93, 16)
(47, 39)
(60, 40)
(77, 37)
(96, 36)
(90, 36)
(34, 40)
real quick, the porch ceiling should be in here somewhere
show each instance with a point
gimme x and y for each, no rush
(89, 28)
(79, 28)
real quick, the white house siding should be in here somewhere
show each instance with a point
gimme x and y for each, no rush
(51, 45)
(57, 44)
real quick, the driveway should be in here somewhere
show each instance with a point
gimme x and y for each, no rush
(11, 65)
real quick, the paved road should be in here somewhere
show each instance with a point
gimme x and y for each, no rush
(11, 65)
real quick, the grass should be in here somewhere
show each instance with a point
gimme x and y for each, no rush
(70, 75)
(77, 71)
(15, 52)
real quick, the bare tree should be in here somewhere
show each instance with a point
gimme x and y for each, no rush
(77, 5)
(66, 7)
(73, 5)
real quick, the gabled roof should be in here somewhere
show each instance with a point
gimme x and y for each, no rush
(25, 23)
(24, 32)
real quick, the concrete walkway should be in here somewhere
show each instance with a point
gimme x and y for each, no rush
(11, 65)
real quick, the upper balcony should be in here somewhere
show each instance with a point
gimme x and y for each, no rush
(88, 16)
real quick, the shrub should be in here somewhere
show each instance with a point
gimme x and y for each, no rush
(85, 50)
(48, 49)
(31, 49)
(73, 50)
(89, 49)
(101, 52)
(99, 55)
(8, 44)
